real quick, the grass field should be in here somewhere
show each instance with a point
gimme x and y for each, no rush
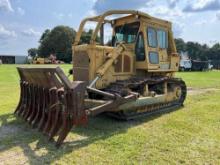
(190, 135)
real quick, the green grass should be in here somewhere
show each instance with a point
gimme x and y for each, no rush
(201, 79)
(190, 135)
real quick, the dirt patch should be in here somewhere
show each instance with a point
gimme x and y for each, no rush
(193, 91)
(14, 155)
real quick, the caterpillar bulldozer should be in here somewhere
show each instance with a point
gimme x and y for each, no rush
(130, 76)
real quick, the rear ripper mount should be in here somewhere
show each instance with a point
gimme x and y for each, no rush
(53, 105)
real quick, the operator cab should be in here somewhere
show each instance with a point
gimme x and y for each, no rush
(148, 39)
(148, 42)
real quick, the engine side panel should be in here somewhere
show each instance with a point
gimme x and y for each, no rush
(87, 59)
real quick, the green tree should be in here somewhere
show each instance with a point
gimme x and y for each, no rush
(216, 46)
(180, 45)
(214, 52)
(196, 51)
(32, 52)
(86, 36)
(58, 41)
(44, 35)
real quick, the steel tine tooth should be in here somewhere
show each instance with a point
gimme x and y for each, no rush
(62, 107)
(64, 132)
(38, 110)
(57, 109)
(71, 115)
(24, 100)
(30, 119)
(53, 110)
(63, 113)
(20, 99)
(64, 119)
(30, 103)
(66, 124)
(50, 113)
(45, 99)
(25, 109)
(33, 99)
(45, 125)
(41, 106)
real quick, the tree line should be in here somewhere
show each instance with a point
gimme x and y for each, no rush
(197, 51)
(58, 41)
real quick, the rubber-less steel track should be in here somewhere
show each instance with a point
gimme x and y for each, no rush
(150, 109)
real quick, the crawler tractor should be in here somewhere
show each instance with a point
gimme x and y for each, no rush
(128, 76)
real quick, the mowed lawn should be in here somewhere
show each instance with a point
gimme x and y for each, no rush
(190, 135)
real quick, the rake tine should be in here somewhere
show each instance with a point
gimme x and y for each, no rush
(29, 99)
(20, 99)
(33, 111)
(49, 102)
(33, 99)
(56, 125)
(45, 102)
(64, 132)
(31, 103)
(39, 108)
(66, 123)
(48, 124)
(23, 106)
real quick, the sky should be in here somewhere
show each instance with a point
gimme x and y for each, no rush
(23, 21)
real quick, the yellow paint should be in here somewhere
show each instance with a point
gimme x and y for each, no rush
(103, 59)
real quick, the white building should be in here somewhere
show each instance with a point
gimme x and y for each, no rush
(13, 59)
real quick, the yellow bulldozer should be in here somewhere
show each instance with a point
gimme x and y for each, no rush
(131, 76)
(39, 61)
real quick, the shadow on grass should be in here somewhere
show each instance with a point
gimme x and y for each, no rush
(99, 128)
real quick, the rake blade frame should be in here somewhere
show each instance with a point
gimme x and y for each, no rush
(50, 102)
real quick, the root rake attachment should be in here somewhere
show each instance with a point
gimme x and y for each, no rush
(49, 102)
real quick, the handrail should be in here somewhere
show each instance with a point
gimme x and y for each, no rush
(100, 19)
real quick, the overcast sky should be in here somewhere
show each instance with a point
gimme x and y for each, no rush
(23, 21)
